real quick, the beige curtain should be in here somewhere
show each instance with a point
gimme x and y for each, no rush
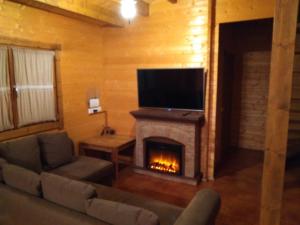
(34, 74)
(5, 100)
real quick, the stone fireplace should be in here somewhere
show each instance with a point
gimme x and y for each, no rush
(168, 144)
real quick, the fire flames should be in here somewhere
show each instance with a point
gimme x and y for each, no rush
(164, 163)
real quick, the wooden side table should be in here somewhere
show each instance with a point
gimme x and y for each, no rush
(112, 144)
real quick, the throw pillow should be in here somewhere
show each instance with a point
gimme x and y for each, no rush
(24, 152)
(56, 149)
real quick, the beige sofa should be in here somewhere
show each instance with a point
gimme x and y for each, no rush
(31, 198)
(20, 206)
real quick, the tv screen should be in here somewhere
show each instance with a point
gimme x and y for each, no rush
(171, 88)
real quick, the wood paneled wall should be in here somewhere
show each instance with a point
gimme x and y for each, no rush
(175, 35)
(242, 10)
(80, 58)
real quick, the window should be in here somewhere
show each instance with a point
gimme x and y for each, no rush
(34, 79)
(28, 90)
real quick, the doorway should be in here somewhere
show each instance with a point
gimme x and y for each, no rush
(243, 80)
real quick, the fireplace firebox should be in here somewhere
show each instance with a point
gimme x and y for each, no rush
(164, 155)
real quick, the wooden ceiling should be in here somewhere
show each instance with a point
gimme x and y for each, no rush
(101, 12)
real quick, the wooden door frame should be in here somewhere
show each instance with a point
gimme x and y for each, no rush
(280, 90)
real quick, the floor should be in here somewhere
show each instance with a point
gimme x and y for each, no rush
(239, 186)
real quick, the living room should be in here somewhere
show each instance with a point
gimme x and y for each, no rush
(98, 55)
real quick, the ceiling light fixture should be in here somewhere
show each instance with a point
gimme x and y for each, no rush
(128, 9)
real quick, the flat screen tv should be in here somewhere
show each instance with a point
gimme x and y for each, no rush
(171, 88)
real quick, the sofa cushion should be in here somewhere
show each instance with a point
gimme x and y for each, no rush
(56, 149)
(66, 192)
(2, 162)
(86, 168)
(23, 152)
(22, 179)
(119, 214)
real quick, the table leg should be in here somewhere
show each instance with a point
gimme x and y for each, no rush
(81, 150)
(116, 163)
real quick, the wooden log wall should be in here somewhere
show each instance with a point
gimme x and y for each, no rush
(294, 121)
(80, 59)
(250, 133)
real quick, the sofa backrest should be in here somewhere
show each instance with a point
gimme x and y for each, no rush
(39, 152)
(66, 192)
(74, 195)
(117, 213)
(18, 208)
(24, 152)
(22, 179)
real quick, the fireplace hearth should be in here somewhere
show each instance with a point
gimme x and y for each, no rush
(164, 155)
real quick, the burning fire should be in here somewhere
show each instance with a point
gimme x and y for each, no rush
(164, 163)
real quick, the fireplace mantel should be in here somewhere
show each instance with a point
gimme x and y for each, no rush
(170, 115)
(181, 126)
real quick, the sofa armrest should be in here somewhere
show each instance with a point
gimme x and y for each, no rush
(202, 210)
